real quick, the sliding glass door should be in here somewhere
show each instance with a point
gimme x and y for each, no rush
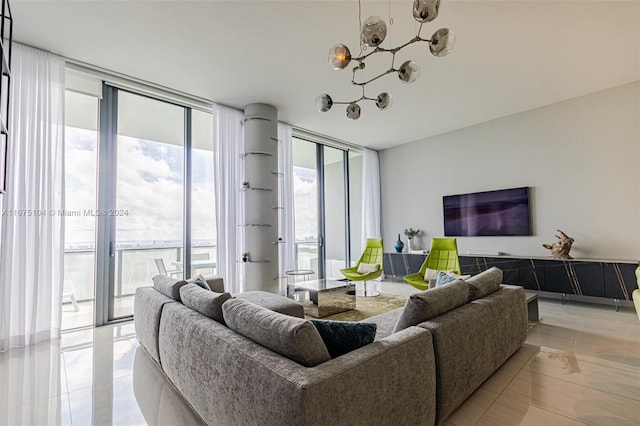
(81, 155)
(305, 200)
(149, 187)
(322, 217)
(146, 192)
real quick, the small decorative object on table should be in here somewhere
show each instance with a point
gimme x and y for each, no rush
(560, 249)
(245, 184)
(399, 245)
(410, 233)
(245, 257)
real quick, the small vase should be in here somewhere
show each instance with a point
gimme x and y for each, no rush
(399, 245)
(410, 244)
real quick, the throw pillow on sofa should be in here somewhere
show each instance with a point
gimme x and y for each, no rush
(484, 283)
(199, 281)
(341, 337)
(428, 304)
(168, 286)
(207, 302)
(445, 277)
(293, 338)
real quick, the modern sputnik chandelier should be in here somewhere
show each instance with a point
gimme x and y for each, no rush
(372, 34)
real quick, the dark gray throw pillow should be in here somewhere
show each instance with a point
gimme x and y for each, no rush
(341, 337)
(429, 304)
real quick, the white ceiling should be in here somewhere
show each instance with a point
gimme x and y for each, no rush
(510, 56)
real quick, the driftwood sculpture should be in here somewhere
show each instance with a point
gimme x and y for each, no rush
(560, 249)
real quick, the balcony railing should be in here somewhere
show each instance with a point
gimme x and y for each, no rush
(134, 267)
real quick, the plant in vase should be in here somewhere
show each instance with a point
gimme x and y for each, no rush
(245, 257)
(410, 233)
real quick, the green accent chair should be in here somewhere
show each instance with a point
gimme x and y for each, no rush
(443, 256)
(636, 292)
(372, 254)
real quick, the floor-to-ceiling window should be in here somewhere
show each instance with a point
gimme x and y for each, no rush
(203, 206)
(305, 201)
(81, 144)
(139, 175)
(326, 196)
(149, 189)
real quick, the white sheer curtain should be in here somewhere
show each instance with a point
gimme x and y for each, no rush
(32, 228)
(370, 196)
(229, 142)
(286, 254)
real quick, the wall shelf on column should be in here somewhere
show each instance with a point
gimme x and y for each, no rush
(275, 139)
(255, 224)
(255, 189)
(254, 117)
(278, 242)
(277, 208)
(277, 173)
(254, 261)
(246, 154)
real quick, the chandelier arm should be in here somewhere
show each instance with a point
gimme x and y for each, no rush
(389, 71)
(363, 57)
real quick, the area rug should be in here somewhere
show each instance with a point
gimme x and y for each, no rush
(370, 306)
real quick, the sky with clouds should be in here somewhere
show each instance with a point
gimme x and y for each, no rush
(150, 191)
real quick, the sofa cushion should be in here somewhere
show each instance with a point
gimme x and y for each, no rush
(484, 283)
(168, 286)
(429, 304)
(294, 338)
(274, 302)
(207, 302)
(341, 337)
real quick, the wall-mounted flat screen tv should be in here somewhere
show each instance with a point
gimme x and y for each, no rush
(490, 213)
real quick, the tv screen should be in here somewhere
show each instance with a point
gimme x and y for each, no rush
(491, 213)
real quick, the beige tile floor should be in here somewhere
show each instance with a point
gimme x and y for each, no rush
(580, 365)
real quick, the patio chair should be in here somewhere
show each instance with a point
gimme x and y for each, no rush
(162, 270)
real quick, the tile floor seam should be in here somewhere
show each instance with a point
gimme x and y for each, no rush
(549, 409)
(586, 386)
(486, 410)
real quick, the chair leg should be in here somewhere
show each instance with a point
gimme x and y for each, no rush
(367, 293)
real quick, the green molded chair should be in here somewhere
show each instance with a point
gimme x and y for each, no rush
(443, 256)
(372, 255)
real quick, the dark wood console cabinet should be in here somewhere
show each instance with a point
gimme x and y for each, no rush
(583, 277)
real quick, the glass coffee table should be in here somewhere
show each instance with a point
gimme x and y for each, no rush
(327, 297)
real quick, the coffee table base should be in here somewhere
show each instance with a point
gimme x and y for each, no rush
(327, 297)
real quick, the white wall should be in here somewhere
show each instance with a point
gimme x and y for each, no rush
(581, 158)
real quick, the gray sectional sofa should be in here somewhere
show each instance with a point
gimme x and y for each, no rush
(416, 372)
